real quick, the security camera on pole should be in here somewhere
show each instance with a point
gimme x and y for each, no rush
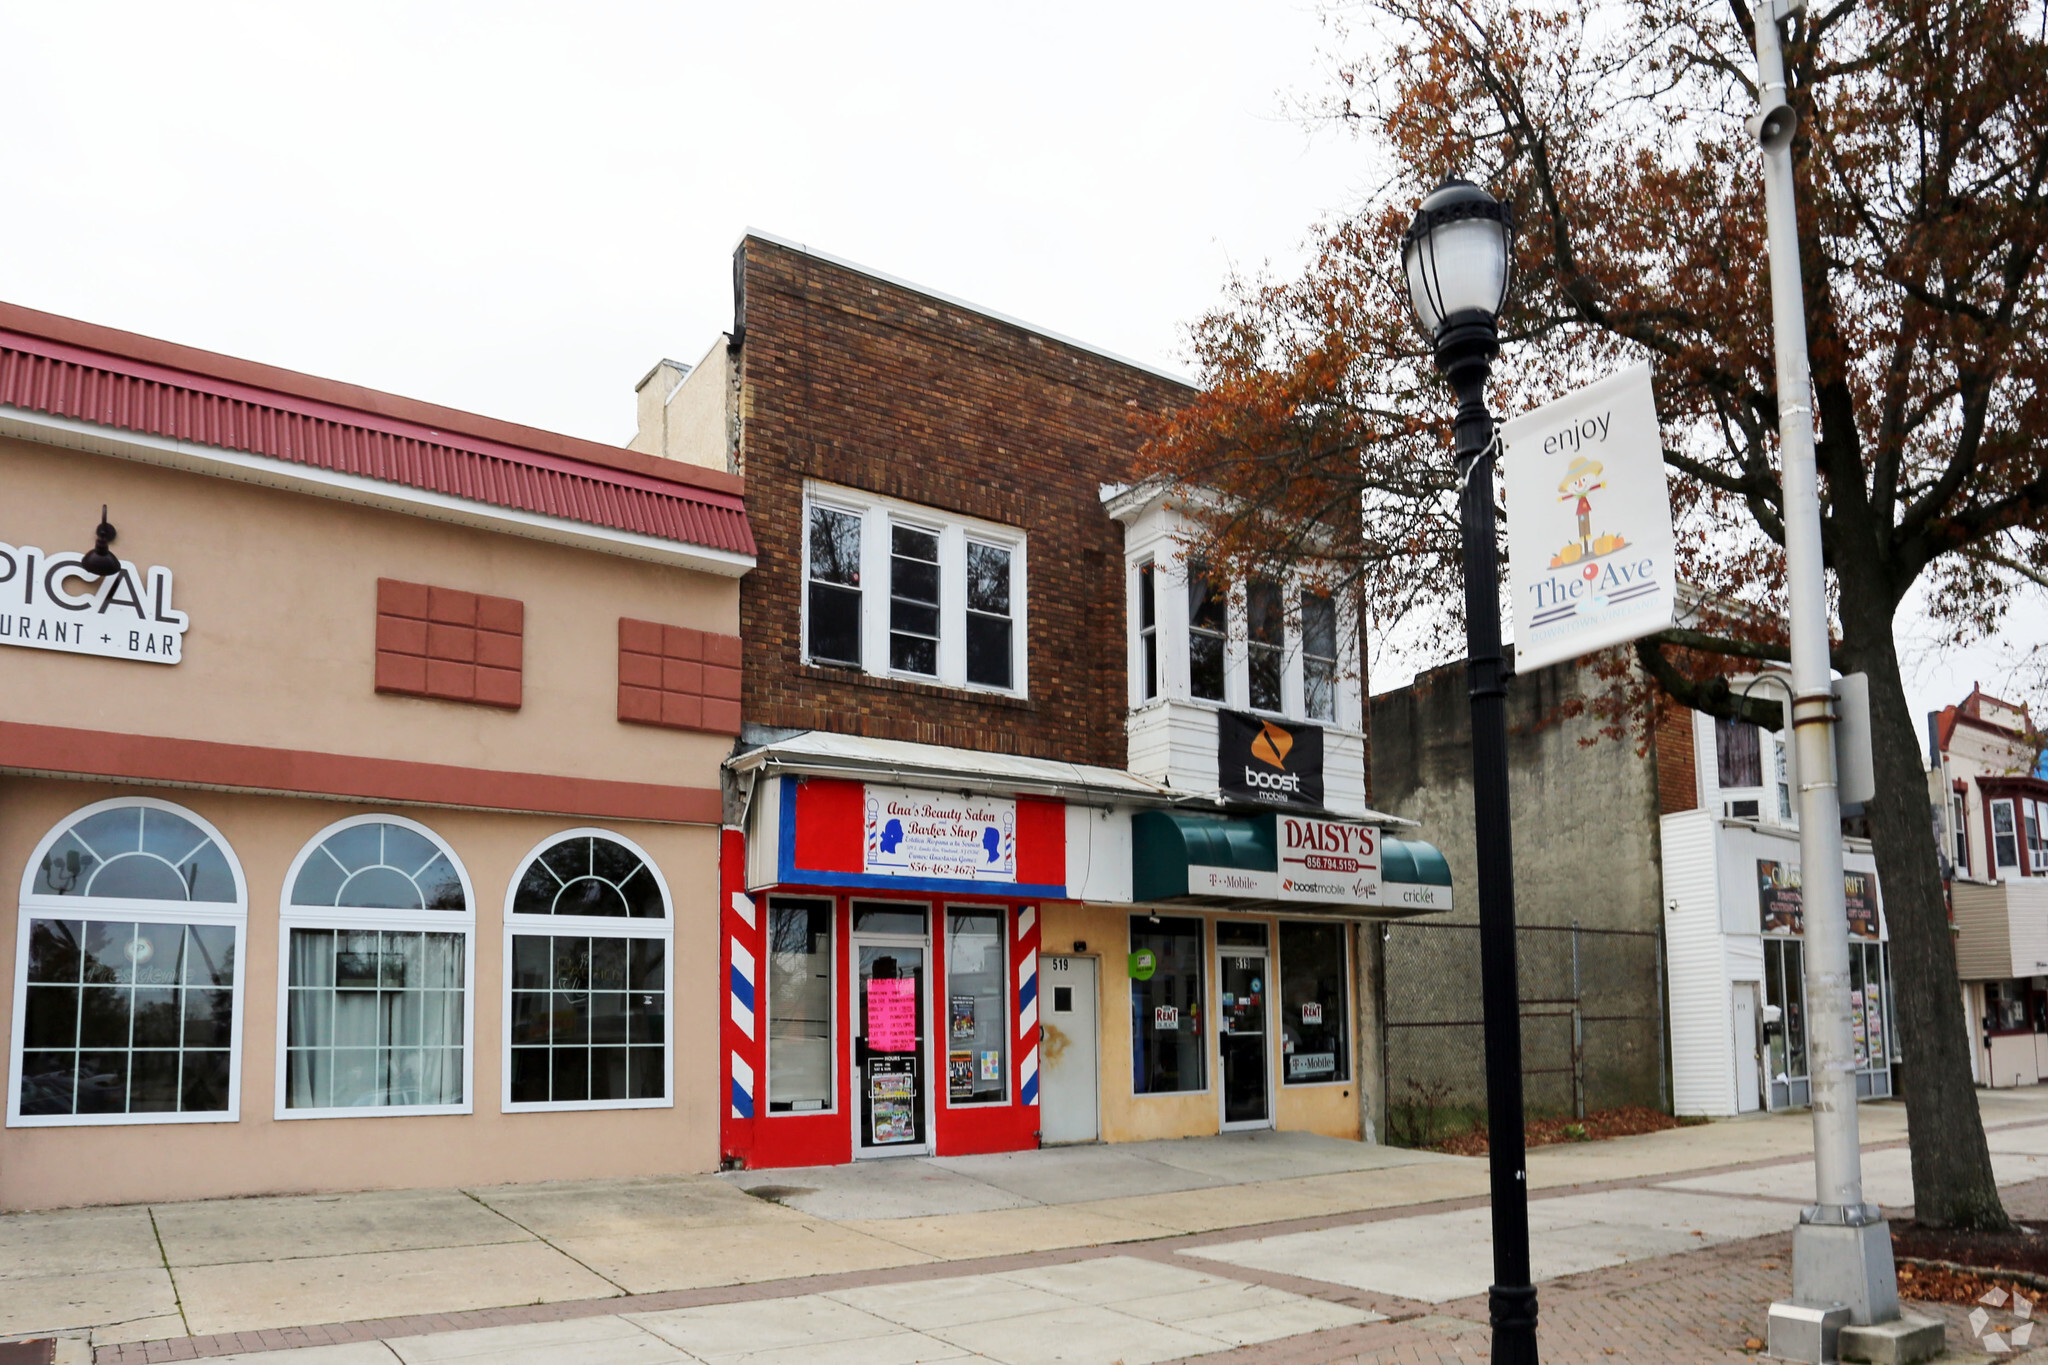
(1843, 1278)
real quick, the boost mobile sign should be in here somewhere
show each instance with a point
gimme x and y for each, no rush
(1590, 556)
(49, 602)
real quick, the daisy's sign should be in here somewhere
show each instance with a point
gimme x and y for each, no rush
(1590, 556)
(47, 601)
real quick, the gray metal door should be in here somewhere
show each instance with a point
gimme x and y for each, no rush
(1071, 1085)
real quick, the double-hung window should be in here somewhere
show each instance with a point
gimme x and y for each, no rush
(2005, 844)
(1208, 630)
(1265, 642)
(378, 946)
(128, 971)
(833, 605)
(2036, 824)
(912, 592)
(1148, 631)
(588, 928)
(1319, 656)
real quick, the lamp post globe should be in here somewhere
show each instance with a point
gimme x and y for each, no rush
(1458, 258)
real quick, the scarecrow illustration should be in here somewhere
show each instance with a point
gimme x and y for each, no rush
(1579, 481)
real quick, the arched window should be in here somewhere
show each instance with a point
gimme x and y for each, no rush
(588, 927)
(378, 950)
(128, 971)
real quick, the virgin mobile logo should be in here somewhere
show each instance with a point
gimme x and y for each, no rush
(1272, 746)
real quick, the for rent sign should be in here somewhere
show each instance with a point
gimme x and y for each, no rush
(1328, 861)
(1590, 554)
(48, 602)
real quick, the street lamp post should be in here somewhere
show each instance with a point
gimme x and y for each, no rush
(1458, 256)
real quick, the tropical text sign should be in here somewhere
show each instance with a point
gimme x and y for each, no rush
(48, 602)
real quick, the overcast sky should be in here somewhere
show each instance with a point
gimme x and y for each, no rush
(516, 209)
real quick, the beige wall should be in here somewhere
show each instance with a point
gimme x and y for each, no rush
(1331, 1110)
(281, 591)
(259, 1154)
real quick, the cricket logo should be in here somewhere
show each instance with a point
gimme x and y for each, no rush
(1580, 481)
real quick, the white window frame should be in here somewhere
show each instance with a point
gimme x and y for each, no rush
(345, 918)
(34, 906)
(1143, 635)
(592, 926)
(877, 513)
(2012, 815)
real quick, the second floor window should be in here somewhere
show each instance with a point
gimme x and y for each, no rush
(989, 642)
(1148, 632)
(1738, 750)
(1265, 642)
(913, 600)
(1319, 656)
(834, 587)
(1208, 627)
(2005, 845)
(912, 592)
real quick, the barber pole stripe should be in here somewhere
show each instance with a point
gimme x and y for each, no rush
(1027, 1004)
(742, 1088)
(743, 906)
(742, 988)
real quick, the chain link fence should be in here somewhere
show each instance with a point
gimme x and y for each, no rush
(1592, 1025)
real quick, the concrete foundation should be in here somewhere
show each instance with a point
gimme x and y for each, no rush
(1812, 1333)
(1851, 1266)
(1899, 1342)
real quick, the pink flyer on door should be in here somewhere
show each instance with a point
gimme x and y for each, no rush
(892, 1014)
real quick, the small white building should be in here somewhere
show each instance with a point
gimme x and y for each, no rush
(1734, 936)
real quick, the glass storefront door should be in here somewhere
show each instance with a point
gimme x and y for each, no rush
(1241, 1034)
(891, 1081)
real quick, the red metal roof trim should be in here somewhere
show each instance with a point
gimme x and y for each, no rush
(40, 375)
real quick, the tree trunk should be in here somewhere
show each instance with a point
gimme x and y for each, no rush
(1952, 1181)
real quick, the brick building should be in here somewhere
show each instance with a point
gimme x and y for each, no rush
(1008, 829)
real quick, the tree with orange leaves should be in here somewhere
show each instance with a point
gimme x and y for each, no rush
(1618, 136)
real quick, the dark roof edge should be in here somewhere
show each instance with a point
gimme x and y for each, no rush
(952, 300)
(374, 402)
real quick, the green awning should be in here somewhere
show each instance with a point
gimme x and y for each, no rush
(1236, 859)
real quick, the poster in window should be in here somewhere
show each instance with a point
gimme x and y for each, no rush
(960, 1075)
(892, 1014)
(1165, 1016)
(1311, 1011)
(961, 1012)
(1311, 1066)
(1779, 900)
(892, 1100)
(992, 1064)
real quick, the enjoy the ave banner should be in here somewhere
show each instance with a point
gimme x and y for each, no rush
(1590, 555)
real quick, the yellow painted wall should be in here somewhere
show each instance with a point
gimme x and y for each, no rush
(1331, 1110)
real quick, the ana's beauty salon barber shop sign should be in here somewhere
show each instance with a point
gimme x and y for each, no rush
(50, 602)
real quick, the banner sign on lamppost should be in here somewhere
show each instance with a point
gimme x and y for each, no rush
(1590, 555)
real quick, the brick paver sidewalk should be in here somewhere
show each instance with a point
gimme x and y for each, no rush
(1702, 1306)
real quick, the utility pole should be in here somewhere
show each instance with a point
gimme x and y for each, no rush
(1843, 1278)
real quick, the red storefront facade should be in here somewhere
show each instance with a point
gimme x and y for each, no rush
(958, 955)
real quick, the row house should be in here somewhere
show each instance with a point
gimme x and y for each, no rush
(1989, 799)
(1036, 835)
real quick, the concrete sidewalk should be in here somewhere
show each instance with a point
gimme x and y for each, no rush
(425, 1269)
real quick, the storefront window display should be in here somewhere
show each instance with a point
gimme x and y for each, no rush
(588, 930)
(377, 946)
(799, 1005)
(977, 1010)
(132, 915)
(1168, 1047)
(1785, 991)
(1313, 1008)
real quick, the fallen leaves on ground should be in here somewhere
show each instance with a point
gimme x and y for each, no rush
(1935, 1284)
(1629, 1120)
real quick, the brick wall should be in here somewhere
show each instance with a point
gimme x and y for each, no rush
(1678, 785)
(851, 380)
(449, 645)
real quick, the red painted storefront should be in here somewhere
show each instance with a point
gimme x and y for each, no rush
(818, 834)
